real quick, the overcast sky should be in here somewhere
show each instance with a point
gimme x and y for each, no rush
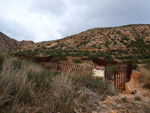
(42, 20)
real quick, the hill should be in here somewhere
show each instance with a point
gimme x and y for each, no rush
(130, 42)
(8, 44)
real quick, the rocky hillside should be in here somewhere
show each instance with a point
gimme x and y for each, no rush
(130, 42)
(104, 38)
(7, 44)
(101, 38)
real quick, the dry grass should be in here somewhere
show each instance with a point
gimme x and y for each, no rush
(26, 87)
(145, 76)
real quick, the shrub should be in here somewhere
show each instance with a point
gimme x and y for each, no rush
(88, 81)
(57, 58)
(134, 66)
(108, 57)
(62, 95)
(124, 99)
(137, 98)
(14, 88)
(144, 76)
(96, 85)
(77, 61)
(31, 87)
(38, 45)
(91, 57)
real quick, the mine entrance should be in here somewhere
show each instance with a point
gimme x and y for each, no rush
(119, 74)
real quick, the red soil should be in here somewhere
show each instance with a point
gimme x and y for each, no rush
(134, 75)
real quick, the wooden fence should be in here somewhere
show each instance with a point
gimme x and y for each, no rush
(69, 67)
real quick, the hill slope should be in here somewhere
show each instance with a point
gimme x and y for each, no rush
(101, 38)
(8, 44)
(131, 42)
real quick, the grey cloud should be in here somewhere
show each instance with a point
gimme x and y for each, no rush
(15, 30)
(55, 7)
(53, 19)
(106, 13)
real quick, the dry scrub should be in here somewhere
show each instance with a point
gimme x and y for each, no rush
(26, 87)
(145, 76)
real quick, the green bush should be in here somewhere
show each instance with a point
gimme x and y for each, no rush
(137, 98)
(134, 66)
(90, 57)
(108, 57)
(57, 58)
(77, 61)
(124, 99)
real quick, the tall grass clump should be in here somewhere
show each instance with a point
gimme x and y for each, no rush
(144, 76)
(16, 89)
(63, 94)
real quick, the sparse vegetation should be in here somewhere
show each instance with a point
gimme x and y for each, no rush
(78, 61)
(137, 98)
(91, 56)
(16, 64)
(134, 66)
(26, 86)
(144, 76)
(124, 99)
(57, 58)
(110, 70)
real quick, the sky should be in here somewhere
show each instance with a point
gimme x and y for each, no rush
(46, 20)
